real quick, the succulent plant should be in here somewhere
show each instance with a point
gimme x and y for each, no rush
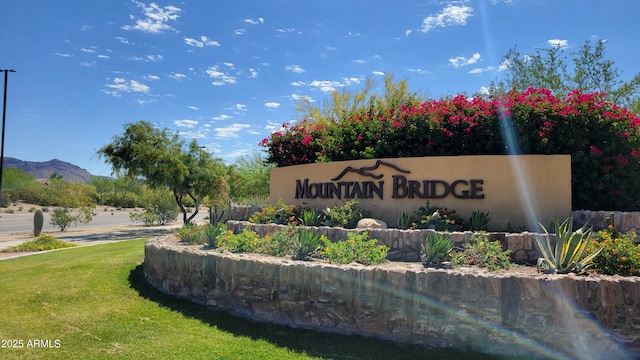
(38, 222)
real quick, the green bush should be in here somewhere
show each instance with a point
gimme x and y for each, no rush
(41, 243)
(348, 214)
(191, 233)
(442, 218)
(63, 217)
(619, 255)
(212, 232)
(246, 241)
(307, 244)
(359, 248)
(280, 213)
(479, 221)
(479, 251)
(279, 243)
(144, 217)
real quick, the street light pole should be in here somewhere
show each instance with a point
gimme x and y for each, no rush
(4, 115)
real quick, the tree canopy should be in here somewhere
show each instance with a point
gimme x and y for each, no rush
(163, 161)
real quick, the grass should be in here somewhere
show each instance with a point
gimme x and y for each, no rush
(95, 302)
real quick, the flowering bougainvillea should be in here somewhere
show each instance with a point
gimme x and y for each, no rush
(602, 138)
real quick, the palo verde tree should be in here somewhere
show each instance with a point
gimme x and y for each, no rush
(588, 70)
(163, 161)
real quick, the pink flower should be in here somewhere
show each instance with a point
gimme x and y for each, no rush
(396, 124)
(594, 149)
(622, 161)
(307, 140)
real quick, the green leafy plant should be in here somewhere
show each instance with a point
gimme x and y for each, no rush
(479, 221)
(348, 214)
(307, 244)
(278, 243)
(280, 213)
(479, 251)
(190, 233)
(359, 248)
(619, 255)
(570, 252)
(405, 221)
(436, 250)
(246, 241)
(144, 217)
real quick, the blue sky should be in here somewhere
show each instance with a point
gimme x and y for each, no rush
(228, 73)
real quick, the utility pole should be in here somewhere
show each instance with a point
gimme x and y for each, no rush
(4, 115)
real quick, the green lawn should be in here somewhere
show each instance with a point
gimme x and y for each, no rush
(92, 303)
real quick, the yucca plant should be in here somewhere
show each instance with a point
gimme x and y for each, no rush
(570, 253)
(306, 245)
(212, 232)
(436, 250)
(479, 221)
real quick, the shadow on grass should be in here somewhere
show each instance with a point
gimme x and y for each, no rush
(313, 343)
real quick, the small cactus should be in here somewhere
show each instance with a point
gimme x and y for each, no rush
(38, 221)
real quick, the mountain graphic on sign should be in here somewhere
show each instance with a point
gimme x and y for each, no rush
(365, 170)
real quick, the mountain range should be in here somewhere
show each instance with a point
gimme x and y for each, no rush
(44, 169)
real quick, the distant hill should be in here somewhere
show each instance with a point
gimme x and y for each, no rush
(44, 169)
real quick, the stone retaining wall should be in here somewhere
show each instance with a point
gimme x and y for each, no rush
(625, 221)
(404, 245)
(559, 316)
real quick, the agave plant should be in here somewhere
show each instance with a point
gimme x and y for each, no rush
(306, 245)
(570, 253)
(212, 232)
(311, 217)
(479, 221)
(405, 221)
(436, 250)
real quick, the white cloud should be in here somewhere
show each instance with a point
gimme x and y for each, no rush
(231, 131)
(122, 40)
(483, 90)
(272, 105)
(328, 85)
(120, 85)
(151, 77)
(221, 117)
(241, 107)
(408, 32)
(154, 58)
(238, 153)
(204, 41)
(359, 61)
(254, 22)
(379, 73)
(88, 63)
(297, 97)
(462, 61)
(298, 83)
(104, 57)
(253, 73)
(220, 78)
(239, 31)
(420, 71)
(192, 107)
(295, 69)
(558, 43)
(186, 123)
(286, 30)
(91, 51)
(156, 19)
(64, 55)
(480, 70)
(449, 16)
(178, 76)
(351, 34)
(192, 134)
(504, 65)
(229, 65)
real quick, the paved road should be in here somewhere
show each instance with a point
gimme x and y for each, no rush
(22, 221)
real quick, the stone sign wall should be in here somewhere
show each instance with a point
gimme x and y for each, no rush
(521, 189)
(546, 316)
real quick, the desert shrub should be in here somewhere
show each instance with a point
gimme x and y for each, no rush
(144, 217)
(348, 214)
(357, 247)
(190, 233)
(212, 232)
(442, 218)
(246, 241)
(63, 217)
(280, 213)
(619, 255)
(278, 243)
(479, 251)
(41, 243)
